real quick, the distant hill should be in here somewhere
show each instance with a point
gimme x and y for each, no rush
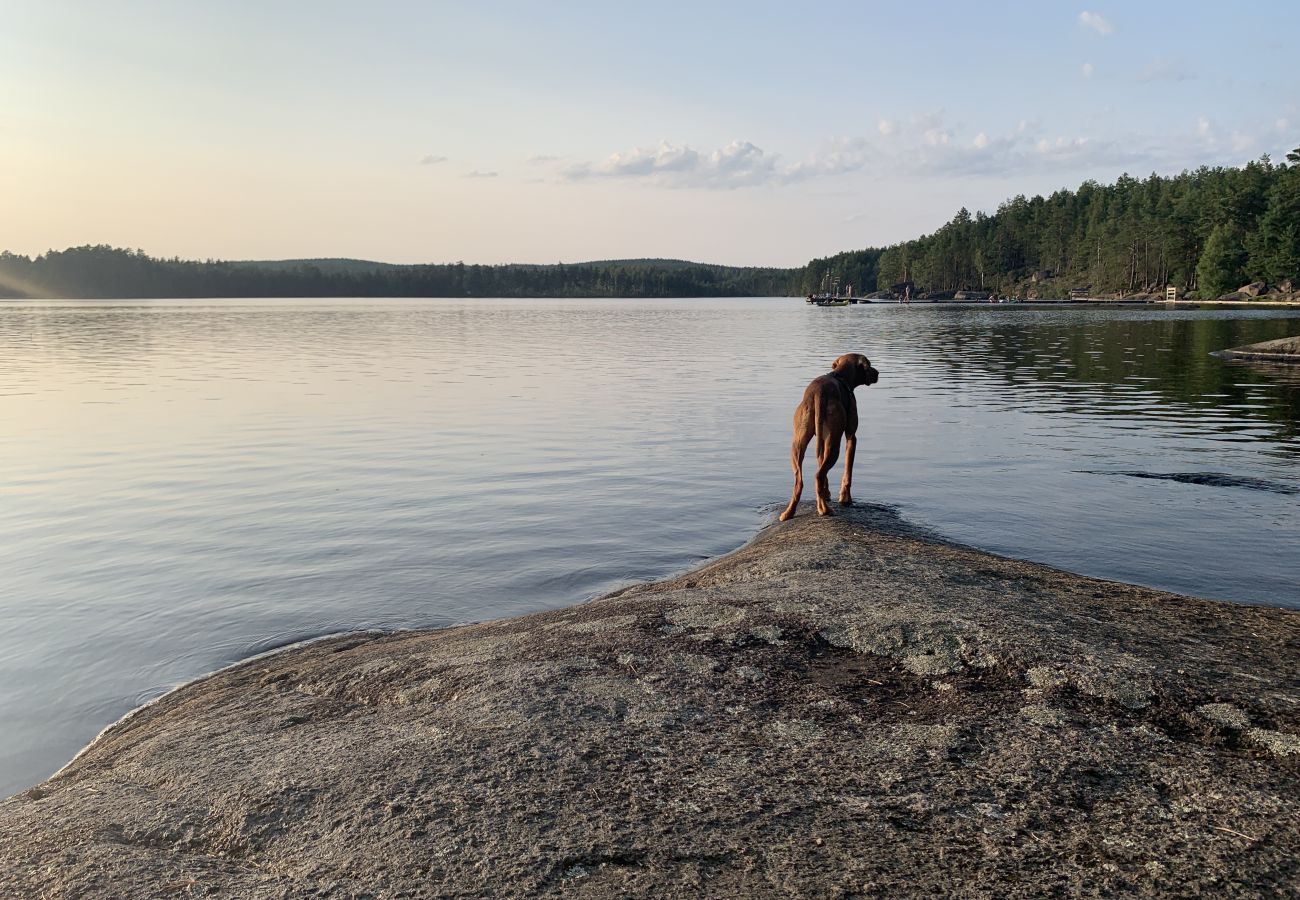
(651, 262)
(327, 265)
(103, 271)
(331, 265)
(677, 265)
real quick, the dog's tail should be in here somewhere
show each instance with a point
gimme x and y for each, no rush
(818, 399)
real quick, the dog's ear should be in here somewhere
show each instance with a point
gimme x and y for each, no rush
(844, 359)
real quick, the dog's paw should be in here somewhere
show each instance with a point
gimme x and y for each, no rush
(785, 516)
(826, 512)
(846, 500)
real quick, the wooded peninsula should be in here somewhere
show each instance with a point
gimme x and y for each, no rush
(1206, 232)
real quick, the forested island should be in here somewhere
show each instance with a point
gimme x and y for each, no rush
(1206, 232)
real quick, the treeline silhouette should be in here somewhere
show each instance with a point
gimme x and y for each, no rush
(1210, 231)
(109, 272)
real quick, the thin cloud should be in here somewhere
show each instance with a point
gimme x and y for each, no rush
(738, 164)
(541, 160)
(741, 160)
(1018, 153)
(937, 150)
(928, 121)
(1094, 21)
(926, 146)
(1003, 156)
(837, 157)
(1230, 143)
(432, 160)
(665, 158)
(477, 174)
(922, 145)
(1164, 69)
(1088, 70)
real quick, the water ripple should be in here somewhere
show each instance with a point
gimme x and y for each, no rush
(1211, 479)
(194, 482)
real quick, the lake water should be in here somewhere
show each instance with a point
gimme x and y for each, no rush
(184, 484)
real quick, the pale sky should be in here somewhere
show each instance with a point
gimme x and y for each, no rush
(747, 133)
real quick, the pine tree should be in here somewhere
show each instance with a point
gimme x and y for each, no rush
(1220, 268)
(1275, 245)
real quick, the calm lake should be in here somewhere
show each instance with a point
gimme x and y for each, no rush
(186, 483)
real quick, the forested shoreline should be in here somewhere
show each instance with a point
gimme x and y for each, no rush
(1206, 232)
(110, 272)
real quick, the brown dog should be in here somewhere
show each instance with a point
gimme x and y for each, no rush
(828, 410)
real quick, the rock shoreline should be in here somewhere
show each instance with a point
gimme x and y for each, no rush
(843, 707)
(1281, 350)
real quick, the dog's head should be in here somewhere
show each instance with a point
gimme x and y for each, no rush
(855, 369)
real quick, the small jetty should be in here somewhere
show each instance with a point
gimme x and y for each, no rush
(832, 293)
(1285, 350)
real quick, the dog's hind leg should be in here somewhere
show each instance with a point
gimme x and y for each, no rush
(797, 448)
(828, 450)
(846, 486)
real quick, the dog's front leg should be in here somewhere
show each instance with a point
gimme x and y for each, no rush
(846, 486)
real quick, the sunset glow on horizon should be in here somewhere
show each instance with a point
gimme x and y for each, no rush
(737, 133)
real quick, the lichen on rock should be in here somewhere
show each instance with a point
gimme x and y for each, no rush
(1279, 743)
(1224, 715)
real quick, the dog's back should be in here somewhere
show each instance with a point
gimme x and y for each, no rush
(829, 411)
(827, 406)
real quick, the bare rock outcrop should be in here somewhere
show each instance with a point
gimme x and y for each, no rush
(844, 707)
(1281, 350)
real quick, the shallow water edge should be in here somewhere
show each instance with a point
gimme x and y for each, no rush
(738, 726)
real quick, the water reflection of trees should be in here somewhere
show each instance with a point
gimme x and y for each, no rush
(1109, 363)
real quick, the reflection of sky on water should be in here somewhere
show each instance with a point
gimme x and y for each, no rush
(188, 483)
